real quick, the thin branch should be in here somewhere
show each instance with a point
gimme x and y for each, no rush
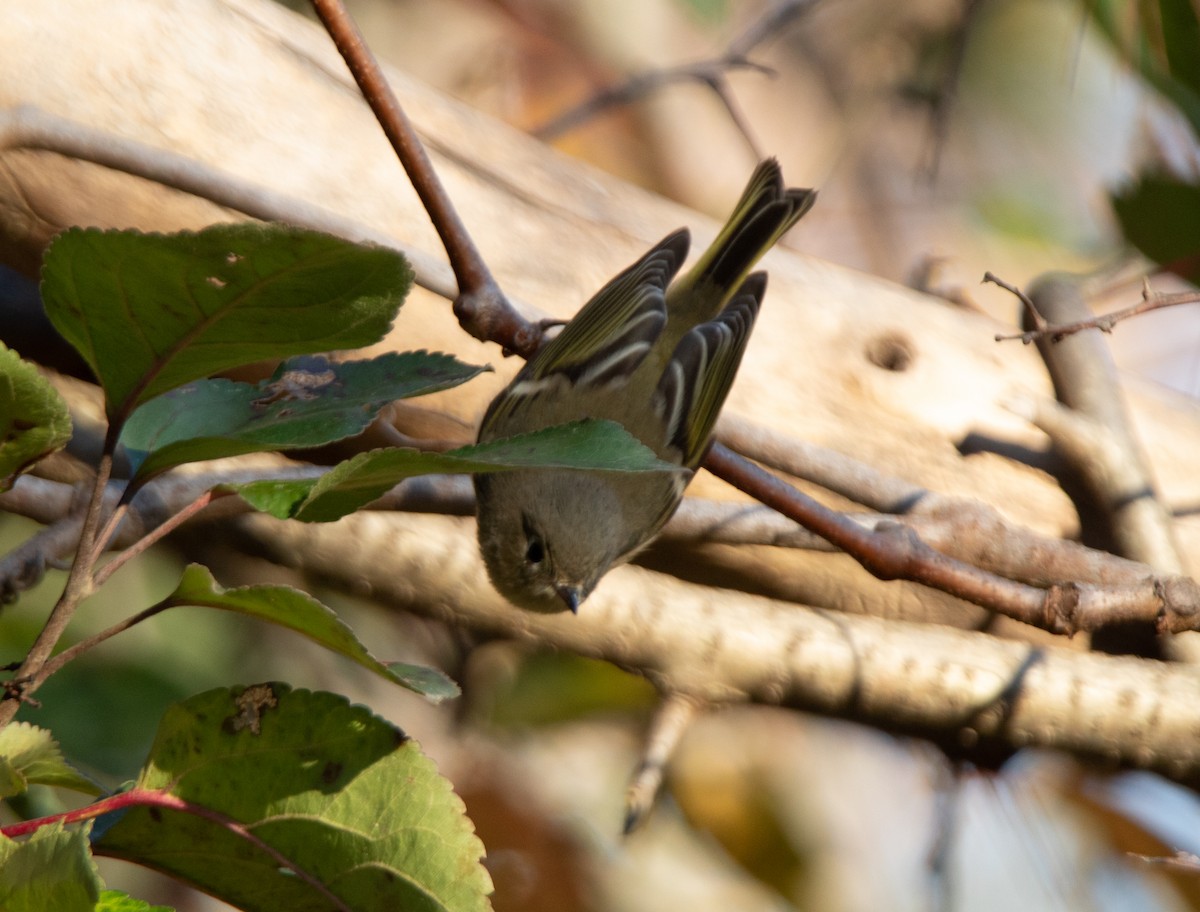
(768, 26)
(74, 651)
(156, 506)
(1030, 311)
(480, 306)
(892, 551)
(109, 530)
(156, 534)
(29, 676)
(836, 472)
(711, 73)
(1056, 332)
(962, 529)
(959, 527)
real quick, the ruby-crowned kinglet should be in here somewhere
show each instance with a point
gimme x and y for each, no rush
(658, 361)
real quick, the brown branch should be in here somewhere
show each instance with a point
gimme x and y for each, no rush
(959, 527)
(480, 306)
(892, 551)
(962, 529)
(78, 587)
(853, 480)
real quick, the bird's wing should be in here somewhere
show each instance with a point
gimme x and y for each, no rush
(697, 378)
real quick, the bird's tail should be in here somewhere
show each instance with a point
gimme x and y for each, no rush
(764, 213)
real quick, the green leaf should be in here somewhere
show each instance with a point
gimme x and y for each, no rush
(116, 901)
(1160, 215)
(30, 756)
(709, 12)
(51, 869)
(34, 421)
(151, 312)
(308, 402)
(589, 445)
(1160, 43)
(549, 688)
(302, 613)
(12, 782)
(1180, 25)
(346, 798)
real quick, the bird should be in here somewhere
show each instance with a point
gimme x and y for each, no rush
(656, 356)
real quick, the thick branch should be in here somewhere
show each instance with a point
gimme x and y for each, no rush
(26, 127)
(962, 689)
(1085, 379)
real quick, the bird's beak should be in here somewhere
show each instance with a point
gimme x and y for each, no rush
(572, 596)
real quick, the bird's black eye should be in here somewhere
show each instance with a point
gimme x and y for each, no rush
(535, 548)
(535, 551)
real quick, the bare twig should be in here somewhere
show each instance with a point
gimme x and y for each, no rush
(1057, 331)
(1030, 311)
(711, 73)
(1109, 456)
(174, 521)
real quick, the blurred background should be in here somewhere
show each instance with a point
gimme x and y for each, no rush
(947, 138)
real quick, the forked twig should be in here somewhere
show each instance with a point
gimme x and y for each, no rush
(711, 73)
(1056, 332)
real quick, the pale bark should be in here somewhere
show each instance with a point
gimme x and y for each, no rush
(247, 88)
